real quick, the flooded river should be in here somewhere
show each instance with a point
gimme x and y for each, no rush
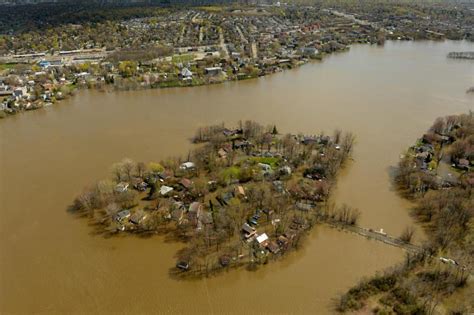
(50, 262)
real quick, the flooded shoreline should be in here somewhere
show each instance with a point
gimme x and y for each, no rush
(386, 96)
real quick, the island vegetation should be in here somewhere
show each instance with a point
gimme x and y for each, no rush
(242, 197)
(437, 174)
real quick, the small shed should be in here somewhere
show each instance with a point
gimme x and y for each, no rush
(213, 70)
(262, 239)
(240, 191)
(164, 190)
(187, 166)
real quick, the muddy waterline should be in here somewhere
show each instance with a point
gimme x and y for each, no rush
(51, 263)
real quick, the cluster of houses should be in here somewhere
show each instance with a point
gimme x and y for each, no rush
(31, 90)
(430, 152)
(171, 196)
(202, 47)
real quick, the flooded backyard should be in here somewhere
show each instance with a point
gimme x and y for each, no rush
(51, 262)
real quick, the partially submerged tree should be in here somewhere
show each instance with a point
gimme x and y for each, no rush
(407, 234)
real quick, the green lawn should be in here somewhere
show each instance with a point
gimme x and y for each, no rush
(272, 161)
(5, 66)
(183, 58)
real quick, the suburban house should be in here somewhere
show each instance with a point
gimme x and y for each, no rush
(122, 215)
(213, 71)
(121, 187)
(138, 217)
(185, 74)
(248, 230)
(187, 166)
(262, 239)
(186, 183)
(309, 51)
(164, 190)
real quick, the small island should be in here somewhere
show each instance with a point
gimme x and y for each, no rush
(242, 197)
(437, 173)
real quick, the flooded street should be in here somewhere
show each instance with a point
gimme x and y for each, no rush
(51, 263)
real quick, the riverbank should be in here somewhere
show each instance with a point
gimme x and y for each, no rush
(438, 173)
(171, 47)
(36, 94)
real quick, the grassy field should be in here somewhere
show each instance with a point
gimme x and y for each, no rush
(6, 66)
(210, 8)
(183, 58)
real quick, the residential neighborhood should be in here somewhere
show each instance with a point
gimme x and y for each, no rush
(194, 46)
(245, 196)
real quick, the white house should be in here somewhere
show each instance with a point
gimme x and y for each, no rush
(186, 74)
(187, 166)
(121, 187)
(213, 70)
(262, 238)
(165, 189)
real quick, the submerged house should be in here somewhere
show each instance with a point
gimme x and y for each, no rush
(309, 51)
(164, 190)
(187, 166)
(248, 230)
(138, 217)
(195, 207)
(273, 247)
(304, 206)
(240, 191)
(278, 186)
(186, 183)
(139, 184)
(285, 170)
(265, 167)
(462, 164)
(121, 187)
(262, 239)
(122, 215)
(183, 265)
(194, 213)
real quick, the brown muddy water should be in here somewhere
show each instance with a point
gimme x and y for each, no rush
(50, 262)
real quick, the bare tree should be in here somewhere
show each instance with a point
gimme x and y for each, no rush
(141, 169)
(407, 234)
(337, 136)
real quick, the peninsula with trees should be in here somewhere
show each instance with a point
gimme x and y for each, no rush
(437, 173)
(243, 197)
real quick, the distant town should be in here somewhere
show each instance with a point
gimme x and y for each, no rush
(45, 61)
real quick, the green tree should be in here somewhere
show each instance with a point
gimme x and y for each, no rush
(127, 68)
